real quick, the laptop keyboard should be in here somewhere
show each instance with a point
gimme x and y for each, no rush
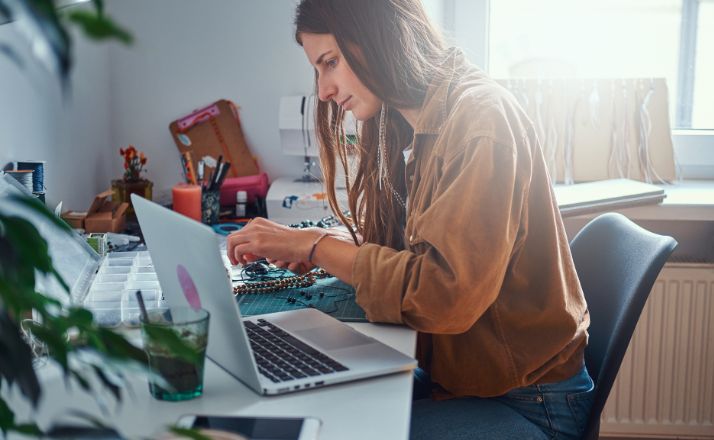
(281, 357)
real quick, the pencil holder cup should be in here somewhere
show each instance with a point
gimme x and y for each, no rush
(210, 205)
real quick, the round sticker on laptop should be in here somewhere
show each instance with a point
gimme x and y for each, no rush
(188, 287)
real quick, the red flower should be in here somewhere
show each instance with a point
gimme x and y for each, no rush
(134, 162)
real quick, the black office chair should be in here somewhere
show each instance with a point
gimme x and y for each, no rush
(617, 262)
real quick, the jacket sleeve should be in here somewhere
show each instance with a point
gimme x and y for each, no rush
(459, 246)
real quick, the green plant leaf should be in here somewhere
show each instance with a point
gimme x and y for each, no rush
(188, 433)
(16, 357)
(59, 278)
(81, 380)
(19, 301)
(108, 383)
(11, 294)
(16, 276)
(28, 429)
(116, 346)
(80, 318)
(7, 422)
(43, 304)
(43, 18)
(39, 208)
(170, 340)
(7, 417)
(99, 6)
(99, 26)
(28, 245)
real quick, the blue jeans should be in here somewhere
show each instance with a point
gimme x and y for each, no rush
(556, 410)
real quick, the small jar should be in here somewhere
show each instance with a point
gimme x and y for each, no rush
(241, 203)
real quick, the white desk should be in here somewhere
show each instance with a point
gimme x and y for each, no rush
(370, 409)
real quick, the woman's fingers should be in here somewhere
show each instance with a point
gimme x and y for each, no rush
(242, 240)
(231, 242)
(280, 264)
(241, 254)
(229, 251)
(298, 268)
(279, 244)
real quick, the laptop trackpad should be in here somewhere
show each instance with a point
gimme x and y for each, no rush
(333, 337)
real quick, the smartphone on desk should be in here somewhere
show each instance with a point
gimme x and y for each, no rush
(257, 428)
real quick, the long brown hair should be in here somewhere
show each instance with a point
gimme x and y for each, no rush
(396, 53)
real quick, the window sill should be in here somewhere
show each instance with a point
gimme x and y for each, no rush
(687, 214)
(686, 200)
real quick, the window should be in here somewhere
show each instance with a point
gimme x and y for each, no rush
(673, 39)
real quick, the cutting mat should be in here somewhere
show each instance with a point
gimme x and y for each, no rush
(328, 295)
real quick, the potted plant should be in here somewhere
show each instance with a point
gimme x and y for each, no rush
(131, 182)
(24, 255)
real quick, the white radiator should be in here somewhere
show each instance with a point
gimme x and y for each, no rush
(665, 387)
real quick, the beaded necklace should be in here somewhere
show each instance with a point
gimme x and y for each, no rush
(268, 285)
(382, 164)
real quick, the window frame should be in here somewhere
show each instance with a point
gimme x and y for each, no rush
(687, 59)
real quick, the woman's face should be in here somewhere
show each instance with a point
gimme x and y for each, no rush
(335, 79)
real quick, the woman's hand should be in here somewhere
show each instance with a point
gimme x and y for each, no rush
(281, 245)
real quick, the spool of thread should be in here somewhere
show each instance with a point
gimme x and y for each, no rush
(187, 200)
(227, 228)
(22, 176)
(38, 173)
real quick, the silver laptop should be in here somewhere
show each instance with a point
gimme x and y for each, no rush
(274, 353)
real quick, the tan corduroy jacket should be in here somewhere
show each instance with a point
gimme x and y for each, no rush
(486, 276)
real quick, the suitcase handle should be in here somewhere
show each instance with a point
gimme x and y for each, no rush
(198, 116)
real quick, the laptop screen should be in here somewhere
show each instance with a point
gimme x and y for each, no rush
(73, 258)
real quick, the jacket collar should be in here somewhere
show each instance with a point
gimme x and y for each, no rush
(433, 111)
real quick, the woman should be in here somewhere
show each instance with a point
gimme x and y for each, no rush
(454, 230)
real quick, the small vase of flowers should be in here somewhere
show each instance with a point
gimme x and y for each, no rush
(132, 182)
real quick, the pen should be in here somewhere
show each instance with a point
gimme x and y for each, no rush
(214, 177)
(184, 171)
(224, 173)
(190, 175)
(216, 170)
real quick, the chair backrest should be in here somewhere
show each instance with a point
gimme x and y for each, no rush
(617, 263)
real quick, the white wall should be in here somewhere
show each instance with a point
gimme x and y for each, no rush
(187, 53)
(190, 53)
(465, 24)
(70, 134)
